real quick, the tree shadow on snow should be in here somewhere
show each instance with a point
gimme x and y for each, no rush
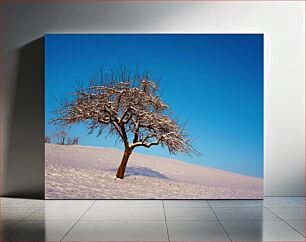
(143, 171)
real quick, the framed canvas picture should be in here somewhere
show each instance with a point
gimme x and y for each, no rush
(154, 116)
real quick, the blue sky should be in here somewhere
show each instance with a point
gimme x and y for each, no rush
(212, 81)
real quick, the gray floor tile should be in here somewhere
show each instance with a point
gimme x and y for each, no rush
(261, 231)
(186, 203)
(57, 214)
(281, 202)
(69, 203)
(235, 203)
(128, 204)
(298, 225)
(21, 203)
(124, 214)
(39, 230)
(196, 231)
(290, 213)
(16, 213)
(244, 214)
(7, 224)
(118, 231)
(7, 227)
(176, 213)
(300, 200)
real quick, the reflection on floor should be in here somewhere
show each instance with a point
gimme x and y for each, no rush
(274, 219)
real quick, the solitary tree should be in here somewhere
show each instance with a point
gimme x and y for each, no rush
(127, 106)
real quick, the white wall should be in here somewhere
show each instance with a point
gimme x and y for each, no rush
(283, 25)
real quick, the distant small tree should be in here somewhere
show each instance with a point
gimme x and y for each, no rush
(75, 141)
(61, 136)
(69, 141)
(47, 139)
(126, 106)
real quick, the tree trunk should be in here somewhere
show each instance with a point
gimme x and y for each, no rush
(121, 168)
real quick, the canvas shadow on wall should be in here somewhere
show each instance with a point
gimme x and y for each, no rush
(25, 149)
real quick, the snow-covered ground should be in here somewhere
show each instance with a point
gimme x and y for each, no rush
(81, 172)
